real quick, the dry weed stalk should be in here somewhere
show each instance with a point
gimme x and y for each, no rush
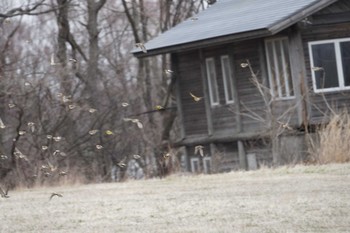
(331, 142)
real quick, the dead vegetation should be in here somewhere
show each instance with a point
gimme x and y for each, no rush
(285, 199)
(330, 143)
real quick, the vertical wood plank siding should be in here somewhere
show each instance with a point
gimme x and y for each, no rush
(194, 114)
(224, 120)
(320, 102)
(249, 97)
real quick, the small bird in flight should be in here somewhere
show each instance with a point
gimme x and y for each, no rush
(142, 47)
(199, 149)
(121, 163)
(55, 194)
(4, 193)
(195, 98)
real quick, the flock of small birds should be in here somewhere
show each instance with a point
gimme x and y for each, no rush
(48, 168)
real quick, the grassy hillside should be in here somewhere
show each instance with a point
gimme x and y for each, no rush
(299, 199)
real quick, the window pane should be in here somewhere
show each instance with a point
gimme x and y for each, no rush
(213, 87)
(227, 76)
(271, 67)
(345, 54)
(280, 69)
(324, 56)
(287, 70)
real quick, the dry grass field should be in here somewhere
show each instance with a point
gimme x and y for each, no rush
(299, 199)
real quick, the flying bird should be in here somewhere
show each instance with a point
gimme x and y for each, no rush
(55, 194)
(4, 193)
(211, 2)
(52, 60)
(199, 149)
(136, 121)
(195, 98)
(121, 163)
(142, 47)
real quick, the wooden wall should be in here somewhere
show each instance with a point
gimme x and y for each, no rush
(233, 119)
(189, 76)
(329, 23)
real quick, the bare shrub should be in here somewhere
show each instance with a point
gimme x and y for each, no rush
(330, 143)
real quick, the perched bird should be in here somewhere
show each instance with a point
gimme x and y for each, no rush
(142, 47)
(4, 194)
(55, 194)
(195, 98)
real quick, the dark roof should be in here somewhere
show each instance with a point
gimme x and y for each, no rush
(229, 20)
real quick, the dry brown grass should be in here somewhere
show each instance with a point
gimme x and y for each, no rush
(299, 199)
(331, 144)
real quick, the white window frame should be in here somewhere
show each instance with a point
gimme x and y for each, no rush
(205, 166)
(228, 82)
(210, 79)
(193, 161)
(338, 58)
(285, 76)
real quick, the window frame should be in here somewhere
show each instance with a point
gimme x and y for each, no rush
(193, 166)
(228, 79)
(339, 64)
(279, 94)
(207, 170)
(210, 79)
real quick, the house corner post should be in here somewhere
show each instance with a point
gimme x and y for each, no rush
(242, 156)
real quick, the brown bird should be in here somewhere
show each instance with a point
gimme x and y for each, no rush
(121, 163)
(55, 194)
(195, 98)
(199, 149)
(142, 47)
(4, 194)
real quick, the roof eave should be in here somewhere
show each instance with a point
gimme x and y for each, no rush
(204, 43)
(285, 23)
(271, 30)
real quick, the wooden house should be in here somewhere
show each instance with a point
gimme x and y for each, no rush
(267, 70)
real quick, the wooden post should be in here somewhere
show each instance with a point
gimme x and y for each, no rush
(187, 160)
(242, 156)
(298, 70)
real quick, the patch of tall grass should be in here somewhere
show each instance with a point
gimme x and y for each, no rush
(331, 141)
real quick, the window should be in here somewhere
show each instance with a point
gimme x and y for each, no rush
(278, 65)
(330, 61)
(195, 165)
(212, 81)
(207, 165)
(227, 77)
